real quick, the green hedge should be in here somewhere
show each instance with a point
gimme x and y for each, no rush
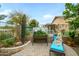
(72, 33)
(40, 33)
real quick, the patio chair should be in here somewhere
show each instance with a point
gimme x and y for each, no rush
(54, 37)
(57, 48)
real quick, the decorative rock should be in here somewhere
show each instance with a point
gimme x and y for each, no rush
(18, 44)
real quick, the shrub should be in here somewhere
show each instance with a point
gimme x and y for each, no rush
(5, 35)
(6, 39)
(66, 33)
(8, 42)
(28, 33)
(40, 33)
(72, 33)
(40, 36)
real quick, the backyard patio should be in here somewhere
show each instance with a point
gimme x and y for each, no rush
(42, 50)
(21, 35)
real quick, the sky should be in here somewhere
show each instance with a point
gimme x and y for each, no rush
(42, 12)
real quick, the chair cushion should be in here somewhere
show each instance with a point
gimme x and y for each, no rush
(57, 47)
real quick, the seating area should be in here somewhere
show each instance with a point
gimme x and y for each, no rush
(39, 45)
(41, 49)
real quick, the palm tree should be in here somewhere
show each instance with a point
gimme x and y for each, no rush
(33, 23)
(20, 20)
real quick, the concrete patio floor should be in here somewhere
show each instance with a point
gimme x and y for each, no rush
(41, 49)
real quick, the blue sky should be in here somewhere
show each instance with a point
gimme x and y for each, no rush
(42, 12)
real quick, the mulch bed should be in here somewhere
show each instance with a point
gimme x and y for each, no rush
(71, 43)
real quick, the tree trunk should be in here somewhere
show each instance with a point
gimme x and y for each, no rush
(17, 32)
(23, 32)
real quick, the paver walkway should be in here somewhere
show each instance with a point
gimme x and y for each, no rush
(42, 50)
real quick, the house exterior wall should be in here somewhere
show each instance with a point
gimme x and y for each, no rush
(61, 23)
(58, 23)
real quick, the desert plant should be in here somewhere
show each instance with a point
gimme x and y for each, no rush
(6, 39)
(3, 36)
(20, 20)
(8, 42)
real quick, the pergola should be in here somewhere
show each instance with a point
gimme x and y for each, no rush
(51, 26)
(56, 26)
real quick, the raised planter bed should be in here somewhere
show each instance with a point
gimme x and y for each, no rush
(40, 36)
(69, 41)
(40, 39)
(12, 50)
